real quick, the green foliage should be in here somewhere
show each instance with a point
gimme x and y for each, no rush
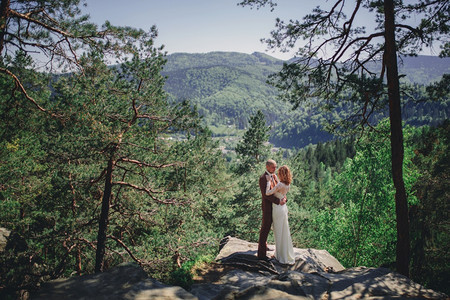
(228, 88)
(245, 209)
(166, 206)
(184, 276)
(330, 154)
(53, 167)
(348, 208)
(429, 217)
(326, 78)
(314, 170)
(359, 228)
(174, 196)
(440, 90)
(253, 149)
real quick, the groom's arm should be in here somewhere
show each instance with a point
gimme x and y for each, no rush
(262, 187)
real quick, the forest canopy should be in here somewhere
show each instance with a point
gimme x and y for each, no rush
(115, 153)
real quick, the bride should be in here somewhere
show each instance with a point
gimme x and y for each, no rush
(284, 251)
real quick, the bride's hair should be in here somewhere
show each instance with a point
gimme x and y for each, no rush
(285, 175)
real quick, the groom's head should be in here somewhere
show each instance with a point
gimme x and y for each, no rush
(271, 166)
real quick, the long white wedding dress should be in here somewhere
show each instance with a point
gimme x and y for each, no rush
(284, 251)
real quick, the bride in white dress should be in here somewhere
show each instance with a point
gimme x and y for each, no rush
(284, 251)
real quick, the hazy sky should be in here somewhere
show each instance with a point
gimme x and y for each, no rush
(198, 26)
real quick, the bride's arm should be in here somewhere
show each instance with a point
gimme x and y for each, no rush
(271, 191)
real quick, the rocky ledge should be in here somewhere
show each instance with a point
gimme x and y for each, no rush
(315, 275)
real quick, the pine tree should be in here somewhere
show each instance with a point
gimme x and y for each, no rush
(329, 77)
(88, 157)
(252, 149)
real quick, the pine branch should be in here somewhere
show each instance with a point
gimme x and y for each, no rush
(19, 85)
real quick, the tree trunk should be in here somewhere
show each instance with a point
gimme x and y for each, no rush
(103, 222)
(395, 118)
(79, 260)
(4, 13)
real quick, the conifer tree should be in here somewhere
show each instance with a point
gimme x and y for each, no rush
(330, 76)
(88, 157)
(252, 148)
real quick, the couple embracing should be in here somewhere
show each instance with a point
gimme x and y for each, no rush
(274, 189)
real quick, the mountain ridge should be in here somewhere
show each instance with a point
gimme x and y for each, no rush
(229, 87)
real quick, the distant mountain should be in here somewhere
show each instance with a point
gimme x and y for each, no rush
(229, 87)
(423, 69)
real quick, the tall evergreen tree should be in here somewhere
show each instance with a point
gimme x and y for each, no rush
(344, 71)
(83, 184)
(252, 148)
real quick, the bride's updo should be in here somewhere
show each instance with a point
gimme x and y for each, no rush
(285, 175)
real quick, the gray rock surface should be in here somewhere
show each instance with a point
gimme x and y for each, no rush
(238, 252)
(4, 233)
(126, 281)
(315, 275)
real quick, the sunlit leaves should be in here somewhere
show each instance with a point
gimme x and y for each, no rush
(361, 230)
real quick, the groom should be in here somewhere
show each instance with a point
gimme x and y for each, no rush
(267, 201)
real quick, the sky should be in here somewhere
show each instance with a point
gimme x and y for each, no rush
(200, 26)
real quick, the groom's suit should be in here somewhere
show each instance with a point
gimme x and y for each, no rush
(266, 213)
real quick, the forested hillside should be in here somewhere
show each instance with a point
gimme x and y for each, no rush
(226, 87)
(107, 165)
(229, 87)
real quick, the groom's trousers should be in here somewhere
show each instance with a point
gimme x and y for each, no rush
(266, 224)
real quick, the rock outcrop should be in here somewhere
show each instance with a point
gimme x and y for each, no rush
(315, 275)
(4, 234)
(125, 281)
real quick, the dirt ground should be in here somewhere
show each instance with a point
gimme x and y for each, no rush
(210, 272)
